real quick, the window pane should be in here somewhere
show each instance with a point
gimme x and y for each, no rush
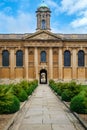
(43, 24)
(43, 56)
(19, 58)
(5, 58)
(67, 58)
(81, 58)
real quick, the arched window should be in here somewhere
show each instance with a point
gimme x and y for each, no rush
(43, 24)
(5, 58)
(43, 56)
(67, 58)
(81, 58)
(19, 58)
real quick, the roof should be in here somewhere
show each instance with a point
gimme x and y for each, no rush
(13, 36)
(64, 36)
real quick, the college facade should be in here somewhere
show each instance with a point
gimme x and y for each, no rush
(43, 55)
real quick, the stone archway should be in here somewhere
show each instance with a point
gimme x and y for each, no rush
(43, 76)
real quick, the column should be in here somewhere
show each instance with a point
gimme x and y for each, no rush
(50, 64)
(0, 58)
(86, 66)
(74, 64)
(26, 63)
(12, 63)
(60, 64)
(85, 59)
(36, 63)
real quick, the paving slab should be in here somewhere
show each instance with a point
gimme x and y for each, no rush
(44, 111)
(35, 127)
(63, 127)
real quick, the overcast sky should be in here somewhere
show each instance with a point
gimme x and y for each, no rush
(18, 16)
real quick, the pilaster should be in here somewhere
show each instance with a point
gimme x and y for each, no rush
(60, 64)
(74, 64)
(50, 64)
(12, 63)
(26, 63)
(36, 62)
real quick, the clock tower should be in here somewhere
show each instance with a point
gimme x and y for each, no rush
(43, 17)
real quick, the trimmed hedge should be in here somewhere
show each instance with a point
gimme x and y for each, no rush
(67, 95)
(20, 93)
(29, 86)
(78, 104)
(12, 94)
(76, 93)
(9, 103)
(72, 90)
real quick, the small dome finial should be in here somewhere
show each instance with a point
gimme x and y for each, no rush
(43, 4)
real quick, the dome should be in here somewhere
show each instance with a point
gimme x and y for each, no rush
(43, 5)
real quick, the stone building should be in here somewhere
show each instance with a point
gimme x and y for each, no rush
(43, 55)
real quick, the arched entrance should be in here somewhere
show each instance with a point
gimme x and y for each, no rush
(43, 76)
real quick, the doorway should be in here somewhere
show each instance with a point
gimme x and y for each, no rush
(43, 76)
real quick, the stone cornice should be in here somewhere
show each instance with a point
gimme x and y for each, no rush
(65, 40)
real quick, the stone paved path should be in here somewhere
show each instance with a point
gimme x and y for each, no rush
(44, 111)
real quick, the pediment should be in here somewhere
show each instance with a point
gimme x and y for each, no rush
(42, 35)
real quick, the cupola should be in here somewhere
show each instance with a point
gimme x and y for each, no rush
(43, 17)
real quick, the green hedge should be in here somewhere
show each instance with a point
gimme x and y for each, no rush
(79, 103)
(8, 103)
(29, 86)
(20, 92)
(11, 95)
(72, 92)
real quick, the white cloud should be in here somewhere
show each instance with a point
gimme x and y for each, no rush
(23, 23)
(73, 6)
(79, 22)
(52, 4)
(77, 8)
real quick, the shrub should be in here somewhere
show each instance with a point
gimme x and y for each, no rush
(32, 85)
(51, 83)
(8, 103)
(72, 90)
(79, 104)
(24, 85)
(62, 87)
(20, 92)
(29, 86)
(67, 95)
(11, 95)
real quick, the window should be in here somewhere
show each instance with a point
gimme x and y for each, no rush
(67, 58)
(5, 58)
(19, 58)
(81, 58)
(43, 56)
(43, 24)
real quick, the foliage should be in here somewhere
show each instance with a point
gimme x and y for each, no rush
(79, 103)
(67, 95)
(29, 86)
(76, 93)
(20, 92)
(8, 103)
(12, 94)
(72, 90)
